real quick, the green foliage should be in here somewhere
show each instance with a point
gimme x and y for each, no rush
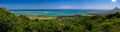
(107, 23)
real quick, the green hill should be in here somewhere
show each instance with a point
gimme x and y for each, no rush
(96, 23)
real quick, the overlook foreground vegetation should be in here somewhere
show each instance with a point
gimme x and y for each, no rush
(97, 23)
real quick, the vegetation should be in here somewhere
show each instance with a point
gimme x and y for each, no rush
(12, 23)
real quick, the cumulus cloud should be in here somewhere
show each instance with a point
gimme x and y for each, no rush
(114, 0)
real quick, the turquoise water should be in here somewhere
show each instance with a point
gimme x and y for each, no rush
(53, 12)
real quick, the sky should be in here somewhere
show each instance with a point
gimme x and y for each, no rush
(59, 4)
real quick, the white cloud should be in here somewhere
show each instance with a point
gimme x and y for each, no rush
(114, 0)
(65, 7)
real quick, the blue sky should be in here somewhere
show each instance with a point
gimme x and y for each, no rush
(59, 4)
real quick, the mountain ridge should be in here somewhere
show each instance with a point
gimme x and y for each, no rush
(116, 9)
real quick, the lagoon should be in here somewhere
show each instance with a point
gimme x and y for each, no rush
(55, 12)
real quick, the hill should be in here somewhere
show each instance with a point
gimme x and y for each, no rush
(77, 23)
(116, 9)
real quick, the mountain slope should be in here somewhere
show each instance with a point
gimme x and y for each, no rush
(116, 9)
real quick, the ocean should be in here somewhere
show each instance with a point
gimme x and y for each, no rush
(54, 12)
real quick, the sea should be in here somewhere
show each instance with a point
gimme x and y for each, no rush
(57, 12)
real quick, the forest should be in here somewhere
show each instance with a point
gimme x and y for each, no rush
(77, 23)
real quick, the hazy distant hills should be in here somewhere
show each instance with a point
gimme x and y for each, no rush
(116, 9)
